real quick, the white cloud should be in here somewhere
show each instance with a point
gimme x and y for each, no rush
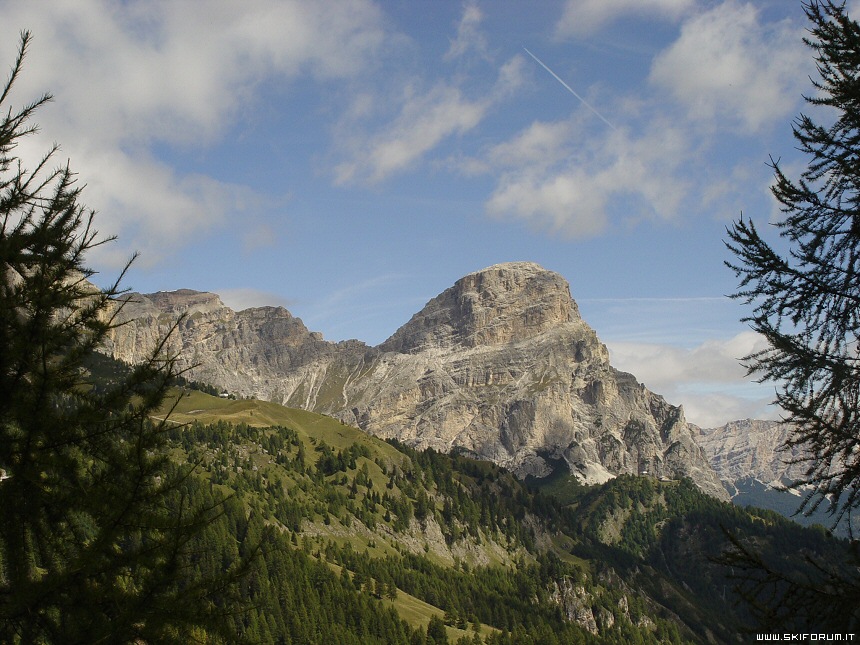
(567, 203)
(714, 409)
(381, 136)
(469, 36)
(564, 178)
(727, 75)
(424, 120)
(541, 145)
(128, 76)
(707, 379)
(240, 299)
(712, 361)
(510, 78)
(153, 205)
(581, 17)
(727, 66)
(687, 349)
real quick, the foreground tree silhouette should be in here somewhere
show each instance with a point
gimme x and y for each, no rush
(94, 523)
(806, 303)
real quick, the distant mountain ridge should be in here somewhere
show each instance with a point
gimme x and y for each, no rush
(752, 460)
(500, 366)
(751, 448)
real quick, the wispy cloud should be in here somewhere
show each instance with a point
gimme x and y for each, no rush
(346, 311)
(564, 178)
(259, 236)
(239, 299)
(726, 75)
(175, 80)
(376, 142)
(685, 322)
(581, 17)
(469, 35)
(691, 300)
(424, 121)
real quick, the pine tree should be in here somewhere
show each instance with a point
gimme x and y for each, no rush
(94, 518)
(436, 632)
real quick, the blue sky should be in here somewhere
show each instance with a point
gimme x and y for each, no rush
(350, 160)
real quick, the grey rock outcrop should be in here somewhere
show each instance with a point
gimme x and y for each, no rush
(249, 352)
(500, 366)
(575, 604)
(751, 448)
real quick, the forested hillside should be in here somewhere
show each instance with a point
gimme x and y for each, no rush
(363, 541)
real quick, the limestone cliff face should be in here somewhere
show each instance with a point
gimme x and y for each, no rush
(249, 352)
(751, 448)
(500, 366)
(500, 305)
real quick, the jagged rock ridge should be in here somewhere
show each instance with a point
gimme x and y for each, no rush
(246, 352)
(500, 366)
(752, 448)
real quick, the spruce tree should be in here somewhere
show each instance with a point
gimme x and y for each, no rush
(806, 303)
(806, 300)
(95, 520)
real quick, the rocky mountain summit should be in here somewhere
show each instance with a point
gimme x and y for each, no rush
(500, 366)
(247, 352)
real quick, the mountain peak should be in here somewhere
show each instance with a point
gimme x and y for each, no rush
(500, 366)
(181, 301)
(502, 304)
(513, 267)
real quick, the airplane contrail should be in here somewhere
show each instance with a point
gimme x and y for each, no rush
(570, 89)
